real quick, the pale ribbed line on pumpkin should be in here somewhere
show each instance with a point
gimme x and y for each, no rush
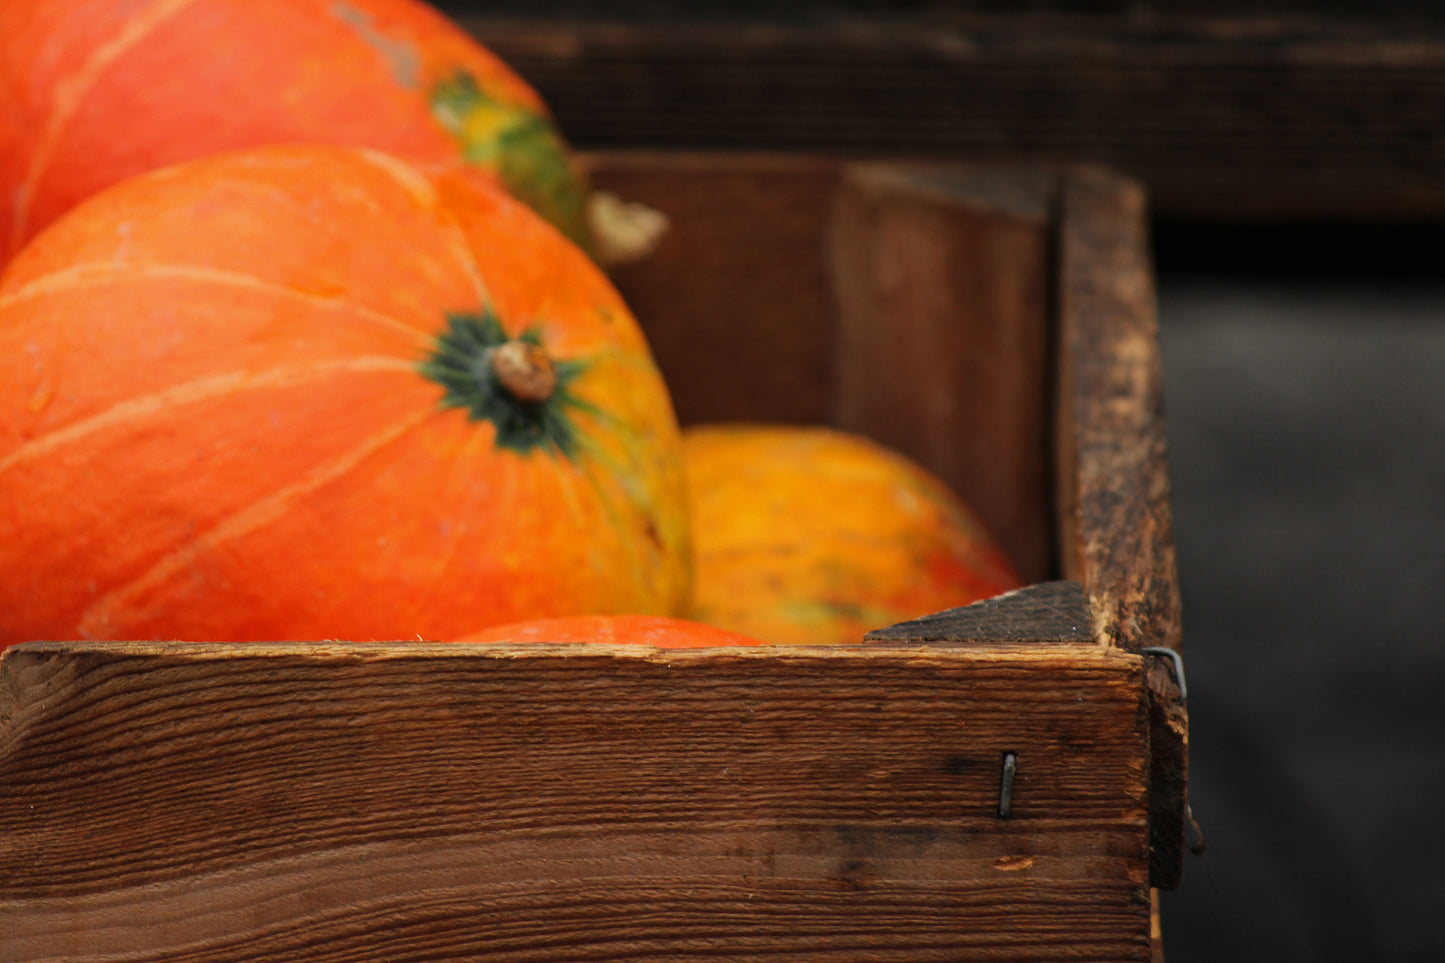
(72, 90)
(408, 177)
(573, 503)
(103, 272)
(478, 484)
(424, 192)
(248, 519)
(192, 392)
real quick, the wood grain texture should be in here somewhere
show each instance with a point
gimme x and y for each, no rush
(735, 299)
(1048, 612)
(943, 288)
(1117, 530)
(1245, 115)
(422, 802)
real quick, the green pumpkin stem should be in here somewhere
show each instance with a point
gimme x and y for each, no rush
(513, 382)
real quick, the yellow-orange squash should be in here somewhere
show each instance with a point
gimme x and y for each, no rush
(95, 91)
(312, 392)
(812, 535)
(659, 631)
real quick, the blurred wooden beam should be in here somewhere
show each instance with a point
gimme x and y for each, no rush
(1264, 117)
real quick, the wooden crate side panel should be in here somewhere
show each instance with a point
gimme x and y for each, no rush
(365, 802)
(734, 299)
(1116, 531)
(944, 280)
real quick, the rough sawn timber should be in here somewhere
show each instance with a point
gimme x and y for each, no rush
(1117, 533)
(349, 802)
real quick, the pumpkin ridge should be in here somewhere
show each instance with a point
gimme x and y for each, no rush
(430, 198)
(628, 485)
(97, 272)
(626, 477)
(404, 175)
(614, 515)
(196, 390)
(477, 447)
(71, 91)
(244, 520)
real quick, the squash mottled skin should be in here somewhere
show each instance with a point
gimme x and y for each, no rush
(259, 396)
(812, 535)
(96, 91)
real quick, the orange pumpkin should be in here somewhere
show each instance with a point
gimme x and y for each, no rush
(632, 629)
(313, 392)
(95, 91)
(808, 534)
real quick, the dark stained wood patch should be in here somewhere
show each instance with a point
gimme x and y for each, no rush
(1042, 613)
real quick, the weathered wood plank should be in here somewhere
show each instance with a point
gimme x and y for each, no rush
(735, 298)
(1048, 612)
(943, 280)
(1117, 530)
(422, 802)
(1113, 475)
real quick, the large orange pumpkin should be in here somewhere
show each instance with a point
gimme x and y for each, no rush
(808, 534)
(312, 392)
(659, 631)
(96, 91)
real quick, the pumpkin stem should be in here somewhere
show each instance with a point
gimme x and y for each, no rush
(525, 370)
(510, 381)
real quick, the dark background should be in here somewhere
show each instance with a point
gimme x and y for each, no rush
(1295, 152)
(1305, 392)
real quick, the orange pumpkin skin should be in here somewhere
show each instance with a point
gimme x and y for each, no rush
(241, 398)
(93, 92)
(812, 535)
(659, 631)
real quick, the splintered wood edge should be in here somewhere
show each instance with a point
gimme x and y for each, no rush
(1117, 534)
(31, 653)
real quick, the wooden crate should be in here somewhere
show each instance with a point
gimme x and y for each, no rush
(1003, 781)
